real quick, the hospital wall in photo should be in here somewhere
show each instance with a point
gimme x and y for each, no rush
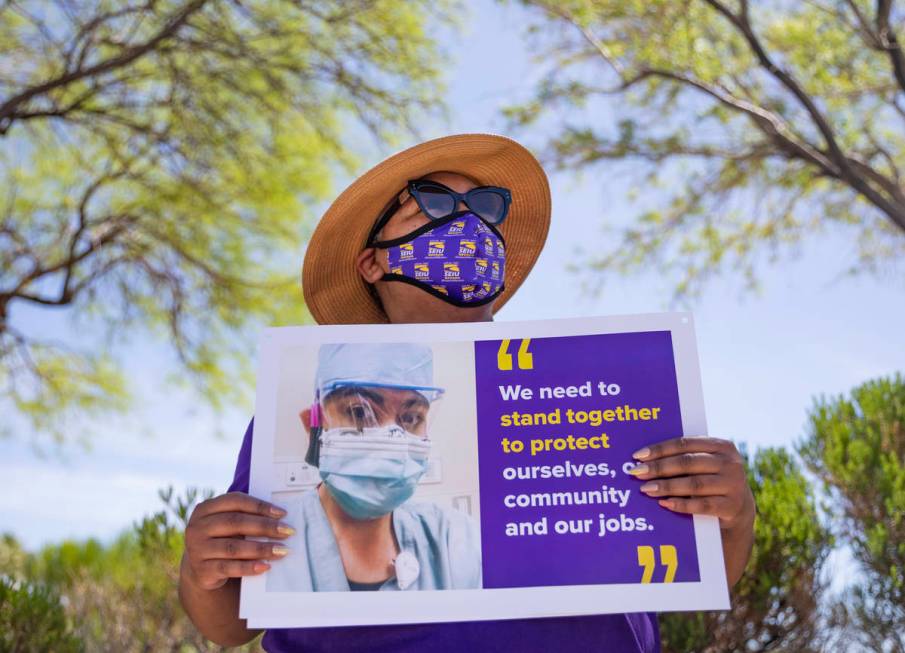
(452, 476)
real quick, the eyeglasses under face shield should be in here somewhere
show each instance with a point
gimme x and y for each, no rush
(364, 409)
(359, 407)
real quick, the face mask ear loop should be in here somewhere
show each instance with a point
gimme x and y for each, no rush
(430, 226)
(383, 219)
(313, 455)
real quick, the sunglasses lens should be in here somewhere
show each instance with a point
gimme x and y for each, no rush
(490, 205)
(436, 202)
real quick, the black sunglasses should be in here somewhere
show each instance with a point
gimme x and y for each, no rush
(436, 201)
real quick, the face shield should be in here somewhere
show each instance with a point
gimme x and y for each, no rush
(366, 408)
(377, 391)
(370, 424)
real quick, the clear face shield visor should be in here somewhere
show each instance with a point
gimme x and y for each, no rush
(374, 412)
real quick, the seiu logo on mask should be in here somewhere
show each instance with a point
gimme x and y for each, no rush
(456, 227)
(467, 248)
(482, 291)
(459, 280)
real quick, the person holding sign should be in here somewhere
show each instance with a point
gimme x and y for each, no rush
(445, 231)
(369, 432)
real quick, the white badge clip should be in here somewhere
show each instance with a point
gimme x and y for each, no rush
(407, 569)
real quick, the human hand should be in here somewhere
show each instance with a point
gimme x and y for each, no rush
(698, 475)
(215, 545)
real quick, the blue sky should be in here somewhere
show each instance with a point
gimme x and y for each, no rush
(764, 357)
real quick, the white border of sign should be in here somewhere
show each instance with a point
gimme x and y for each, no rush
(316, 609)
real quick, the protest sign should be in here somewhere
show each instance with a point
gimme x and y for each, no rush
(490, 460)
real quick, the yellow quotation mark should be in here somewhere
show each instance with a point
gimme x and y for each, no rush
(525, 358)
(668, 557)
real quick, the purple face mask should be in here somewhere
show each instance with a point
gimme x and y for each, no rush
(461, 260)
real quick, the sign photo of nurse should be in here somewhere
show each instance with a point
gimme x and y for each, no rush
(369, 436)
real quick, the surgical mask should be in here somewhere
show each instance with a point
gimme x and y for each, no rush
(373, 471)
(459, 259)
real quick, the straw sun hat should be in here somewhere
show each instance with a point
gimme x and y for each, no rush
(335, 291)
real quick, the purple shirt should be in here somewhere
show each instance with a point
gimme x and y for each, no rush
(625, 633)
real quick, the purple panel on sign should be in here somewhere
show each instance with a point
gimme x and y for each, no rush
(570, 514)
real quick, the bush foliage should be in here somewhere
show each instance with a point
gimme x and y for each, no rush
(121, 597)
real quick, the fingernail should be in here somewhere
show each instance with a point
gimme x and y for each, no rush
(641, 454)
(276, 511)
(280, 550)
(667, 503)
(649, 487)
(260, 567)
(284, 529)
(640, 469)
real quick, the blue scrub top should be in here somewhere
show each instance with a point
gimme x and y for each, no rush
(445, 542)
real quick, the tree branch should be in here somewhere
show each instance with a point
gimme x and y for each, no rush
(129, 55)
(67, 265)
(863, 26)
(894, 210)
(886, 155)
(888, 42)
(742, 24)
(88, 28)
(771, 124)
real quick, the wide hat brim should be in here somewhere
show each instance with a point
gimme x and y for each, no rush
(334, 290)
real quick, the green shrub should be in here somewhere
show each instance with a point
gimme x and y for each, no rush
(776, 604)
(119, 597)
(856, 447)
(33, 620)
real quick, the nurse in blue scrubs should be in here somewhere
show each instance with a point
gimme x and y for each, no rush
(369, 437)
